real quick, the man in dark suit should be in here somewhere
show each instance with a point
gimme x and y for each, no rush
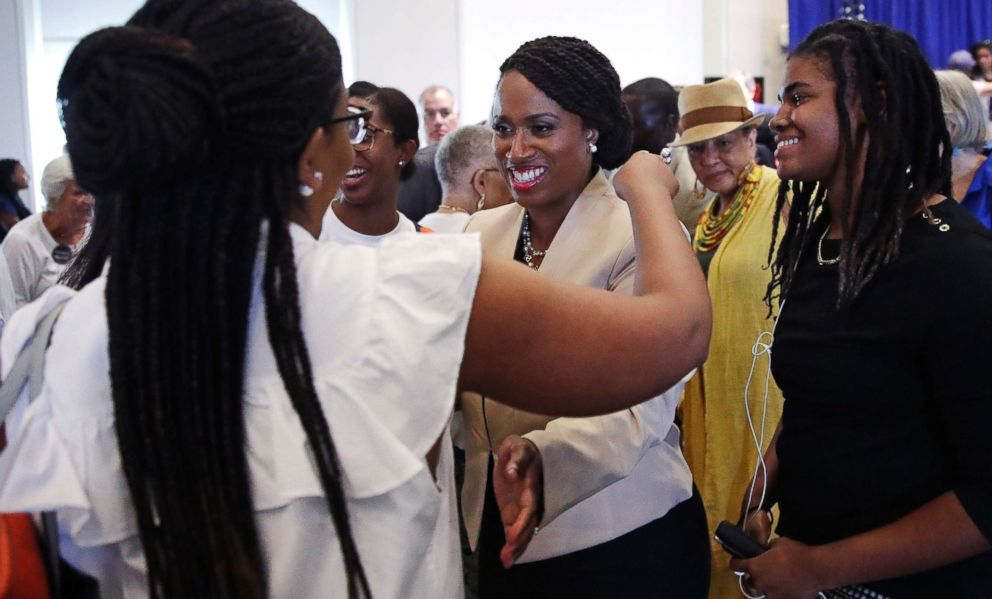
(421, 194)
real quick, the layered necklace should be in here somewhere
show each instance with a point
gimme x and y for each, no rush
(712, 227)
(529, 252)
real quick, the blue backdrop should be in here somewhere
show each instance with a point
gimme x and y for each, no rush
(940, 26)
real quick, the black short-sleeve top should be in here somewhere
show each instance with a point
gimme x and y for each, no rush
(888, 403)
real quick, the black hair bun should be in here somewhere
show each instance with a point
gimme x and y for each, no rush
(138, 107)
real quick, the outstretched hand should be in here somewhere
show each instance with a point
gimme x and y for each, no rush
(518, 483)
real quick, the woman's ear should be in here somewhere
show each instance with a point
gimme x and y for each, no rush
(478, 181)
(307, 166)
(592, 136)
(407, 149)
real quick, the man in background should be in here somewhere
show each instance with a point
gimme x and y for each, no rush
(654, 106)
(421, 194)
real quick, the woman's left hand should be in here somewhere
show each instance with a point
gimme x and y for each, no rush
(518, 483)
(788, 570)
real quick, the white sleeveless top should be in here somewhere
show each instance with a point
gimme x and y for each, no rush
(385, 329)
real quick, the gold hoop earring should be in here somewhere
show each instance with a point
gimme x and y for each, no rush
(698, 189)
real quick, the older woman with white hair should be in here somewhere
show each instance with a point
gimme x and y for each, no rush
(38, 248)
(971, 171)
(469, 176)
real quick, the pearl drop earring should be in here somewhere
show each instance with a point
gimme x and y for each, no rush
(307, 191)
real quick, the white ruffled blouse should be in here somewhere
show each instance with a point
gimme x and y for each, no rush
(385, 328)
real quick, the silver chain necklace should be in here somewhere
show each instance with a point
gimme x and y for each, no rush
(926, 214)
(529, 252)
(819, 250)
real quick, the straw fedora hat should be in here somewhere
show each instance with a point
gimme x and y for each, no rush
(711, 110)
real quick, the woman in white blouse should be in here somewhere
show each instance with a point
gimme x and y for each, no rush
(236, 410)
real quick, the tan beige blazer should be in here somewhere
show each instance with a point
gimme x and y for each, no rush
(603, 476)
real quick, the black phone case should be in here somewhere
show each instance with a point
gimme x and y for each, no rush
(736, 542)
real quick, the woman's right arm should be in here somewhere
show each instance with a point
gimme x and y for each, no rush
(566, 350)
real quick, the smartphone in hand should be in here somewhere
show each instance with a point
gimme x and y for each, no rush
(736, 542)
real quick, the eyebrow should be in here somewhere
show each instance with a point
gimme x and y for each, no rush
(531, 117)
(791, 88)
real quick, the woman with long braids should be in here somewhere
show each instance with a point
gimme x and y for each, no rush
(882, 463)
(233, 409)
(612, 495)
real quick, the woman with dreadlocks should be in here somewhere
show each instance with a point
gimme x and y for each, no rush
(882, 464)
(232, 409)
(612, 495)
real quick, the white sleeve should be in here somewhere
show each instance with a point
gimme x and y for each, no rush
(396, 328)
(425, 286)
(23, 266)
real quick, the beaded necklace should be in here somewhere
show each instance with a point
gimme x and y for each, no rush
(529, 252)
(712, 228)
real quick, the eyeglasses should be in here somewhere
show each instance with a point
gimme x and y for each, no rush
(367, 142)
(356, 123)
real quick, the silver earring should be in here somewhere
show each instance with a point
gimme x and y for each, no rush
(592, 148)
(507, 155)
(402, 163)
(481, 203)
(318, 176)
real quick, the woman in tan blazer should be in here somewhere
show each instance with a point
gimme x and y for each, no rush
(580, 507)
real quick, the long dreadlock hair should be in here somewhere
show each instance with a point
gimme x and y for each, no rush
(582, 80)
(192, 118)
(908, 156)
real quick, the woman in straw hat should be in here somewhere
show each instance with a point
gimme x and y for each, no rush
(731, 241)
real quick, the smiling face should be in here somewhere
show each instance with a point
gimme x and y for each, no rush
(719, 162)
(542, 149)
(337, 155)
(375, 174)
(806, 125)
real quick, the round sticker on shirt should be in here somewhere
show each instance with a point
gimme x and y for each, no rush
(61, 254)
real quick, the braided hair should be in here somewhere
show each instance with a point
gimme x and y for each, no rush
(191, 118)
(581, 80)
(885, 71)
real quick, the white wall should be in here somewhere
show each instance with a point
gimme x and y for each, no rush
(744, 36)
(37, 36)
(660, 38)
(15, 138)
(412, 44)
(406, 45)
